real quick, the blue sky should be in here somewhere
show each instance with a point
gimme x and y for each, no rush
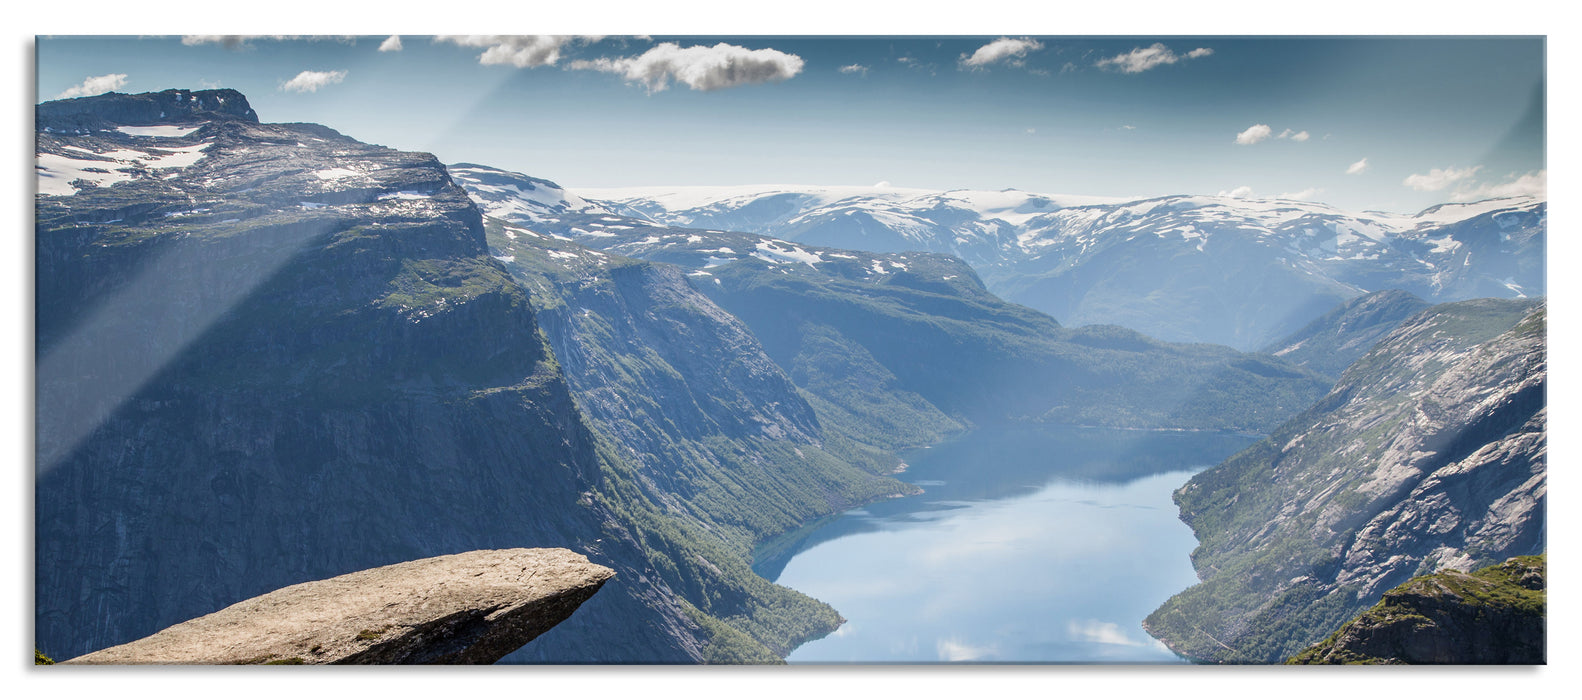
(1397, 124)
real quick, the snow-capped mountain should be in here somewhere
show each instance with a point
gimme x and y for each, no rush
(977, 226)
(1216, 269)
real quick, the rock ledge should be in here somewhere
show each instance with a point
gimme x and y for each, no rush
(469, 608)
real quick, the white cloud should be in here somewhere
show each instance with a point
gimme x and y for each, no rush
(529, 51)
(1530, 185)
(953, 650)
(391, 44)
(855, 68)
(1099, 632)
(95, 85)
(1128, 127)
(1032, 131)
(1306, 195)
(1254, 134)
(1438, 179)
(229, 41)
(1001, 49)
(699, 67)
(1141, 59)
(312, 80)
(243, 41)
(1238, 193)
(1358, 167)
(1300, 136)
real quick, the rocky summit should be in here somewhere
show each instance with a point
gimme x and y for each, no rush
(1490, 616)
(469, 608)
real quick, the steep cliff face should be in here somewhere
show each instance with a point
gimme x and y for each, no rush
(1429, 453)
(285, 358)
(270, 353)
(712, 428)
(1494, 615)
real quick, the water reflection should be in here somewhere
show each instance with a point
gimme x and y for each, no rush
(1044, 545)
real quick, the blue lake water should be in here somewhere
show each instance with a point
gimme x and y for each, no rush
(1029, 545)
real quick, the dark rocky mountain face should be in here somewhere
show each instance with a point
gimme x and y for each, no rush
(1494, 615)
(285, 360)
(111, 110)
(270, 353)
(1429, 453)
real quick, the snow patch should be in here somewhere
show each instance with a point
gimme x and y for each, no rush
(158, 131)
(769, 252)
(337, 174)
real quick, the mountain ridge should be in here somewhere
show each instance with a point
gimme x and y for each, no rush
(1429, 453)
(1145, 263)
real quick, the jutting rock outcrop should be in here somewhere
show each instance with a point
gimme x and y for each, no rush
(469, 608)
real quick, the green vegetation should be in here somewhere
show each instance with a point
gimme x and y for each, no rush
(39, 659)
(1441, 605)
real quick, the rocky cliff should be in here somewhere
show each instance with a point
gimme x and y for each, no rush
(269, 353)
(710, 425)
(1494, 615)
(469, 608)
(1428, 454)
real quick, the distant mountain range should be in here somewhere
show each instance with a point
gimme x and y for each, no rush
(1237, 272)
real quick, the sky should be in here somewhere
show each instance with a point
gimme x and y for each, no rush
(1362, 123)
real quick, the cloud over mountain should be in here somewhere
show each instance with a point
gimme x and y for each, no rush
(1438, 178)
(312, 80)
(702, 68)
(95, 85)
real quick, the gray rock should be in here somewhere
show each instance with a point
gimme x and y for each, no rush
(469, 608)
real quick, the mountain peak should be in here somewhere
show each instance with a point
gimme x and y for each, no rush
(144, 109)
